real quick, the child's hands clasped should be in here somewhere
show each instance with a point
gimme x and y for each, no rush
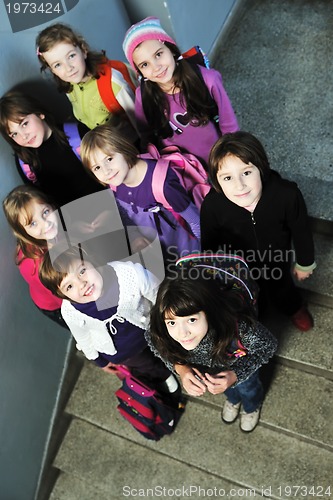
(216, 384)
(192, 380)
(196, 384)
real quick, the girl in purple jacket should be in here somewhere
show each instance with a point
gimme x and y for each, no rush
(177, 100)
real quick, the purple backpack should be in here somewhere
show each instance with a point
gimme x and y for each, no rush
(145, 409)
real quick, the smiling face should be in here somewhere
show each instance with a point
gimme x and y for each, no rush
(39, 221)
(109, 169)
(67, 62)
(188, 331)
(30, 131)
(241, 183)
(156, 62)
(83, 283)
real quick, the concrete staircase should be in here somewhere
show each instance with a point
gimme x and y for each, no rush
(102, 456)
(273, 62)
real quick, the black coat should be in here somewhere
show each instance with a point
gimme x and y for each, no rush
(265, 236)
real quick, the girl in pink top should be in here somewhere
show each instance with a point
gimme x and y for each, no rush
(35, 224)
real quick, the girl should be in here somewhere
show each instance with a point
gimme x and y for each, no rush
(99, 90)
(176, 100)
(107, 311)
(206, 336)
(43, 147)
(115, 162)
(35, 225)
(252, 211)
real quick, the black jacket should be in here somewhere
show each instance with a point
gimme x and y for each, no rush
(265, 236)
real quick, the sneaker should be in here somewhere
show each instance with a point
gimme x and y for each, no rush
(230, 412)
(249, 421)
(302, 319)
(170, 385)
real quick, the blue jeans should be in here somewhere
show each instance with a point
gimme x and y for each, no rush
(250, 393)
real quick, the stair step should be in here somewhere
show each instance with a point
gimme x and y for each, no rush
(310, 351)
(195, 454)
(116, 465)
(283, 410)
(296, 403)
(69, 487)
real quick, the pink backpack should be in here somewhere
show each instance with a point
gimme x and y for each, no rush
(191, 173)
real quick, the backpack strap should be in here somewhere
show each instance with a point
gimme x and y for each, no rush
(74, 139)
(104, 84)
(27, 172)
(158, 181)
(197, 56)
(72, 132)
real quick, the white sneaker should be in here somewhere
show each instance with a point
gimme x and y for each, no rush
(230, 412)
(171, 384)
(249, 421)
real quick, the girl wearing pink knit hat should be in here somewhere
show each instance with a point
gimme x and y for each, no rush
(177, 99)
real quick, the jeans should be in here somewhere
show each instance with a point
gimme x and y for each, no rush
(250, 393)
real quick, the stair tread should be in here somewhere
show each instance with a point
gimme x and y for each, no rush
(310, 350)
(69, 487)
(112, 460)
(93, 400)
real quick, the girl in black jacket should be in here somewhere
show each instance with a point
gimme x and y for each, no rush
(255, 213)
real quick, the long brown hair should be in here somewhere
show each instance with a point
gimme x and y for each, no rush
(18, 203)
(194, 96)
(62, 33)
(14, 107)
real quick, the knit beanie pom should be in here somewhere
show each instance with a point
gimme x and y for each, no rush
(148, 29)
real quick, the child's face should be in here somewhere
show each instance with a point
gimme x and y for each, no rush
(155, 61)
(240, 182)
(31, 131)
(187, 330)
(67, 62)
(83, 283)
(39, 221)
(109, 169)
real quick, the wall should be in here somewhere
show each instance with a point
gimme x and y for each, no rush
(33, 349)
(191, 22)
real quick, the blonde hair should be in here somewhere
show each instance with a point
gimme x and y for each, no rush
(109, 141)
(18, 203)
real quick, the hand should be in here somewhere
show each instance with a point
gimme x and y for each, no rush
(216, 384)
(190, 382)
(301, 275)
(111, 368)
(139, 244)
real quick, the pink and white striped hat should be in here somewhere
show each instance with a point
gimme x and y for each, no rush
(148, 29)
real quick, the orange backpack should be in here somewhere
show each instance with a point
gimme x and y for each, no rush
(105, 87)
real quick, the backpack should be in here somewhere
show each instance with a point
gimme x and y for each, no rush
(191, 173)
(231, 269)
(145, 409)
(105, 87)
(74, 139)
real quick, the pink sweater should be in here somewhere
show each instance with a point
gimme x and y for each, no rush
(41, 296)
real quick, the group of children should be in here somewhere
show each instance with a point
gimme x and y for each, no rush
(116, 309)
